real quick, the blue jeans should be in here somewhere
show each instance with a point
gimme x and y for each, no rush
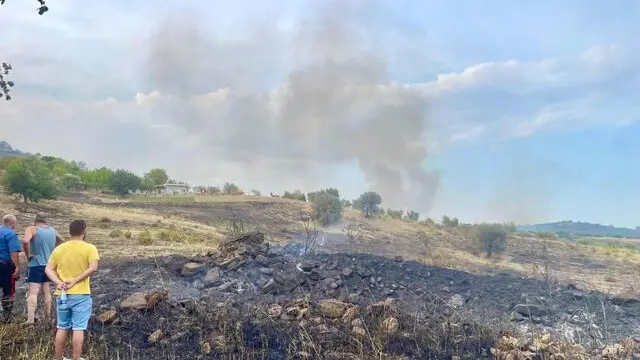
(75, 316)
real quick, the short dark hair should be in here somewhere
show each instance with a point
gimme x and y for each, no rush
(77, 227)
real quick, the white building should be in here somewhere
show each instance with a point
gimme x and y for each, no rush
(174, 189)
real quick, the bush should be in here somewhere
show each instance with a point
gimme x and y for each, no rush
(145, 238)
(115, 233)
(177, 236)
(295, 195)
(326, 209)
(105, 220)
(491, 237)
(450, 222)
(127, 234)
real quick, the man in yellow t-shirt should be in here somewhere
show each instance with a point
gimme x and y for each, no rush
(69, 267)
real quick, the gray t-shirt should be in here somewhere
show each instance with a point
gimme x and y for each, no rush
(42, 244)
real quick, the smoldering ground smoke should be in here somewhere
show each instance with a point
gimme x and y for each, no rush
(317, 93)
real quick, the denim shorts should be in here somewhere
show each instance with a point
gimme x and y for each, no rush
(75, 316)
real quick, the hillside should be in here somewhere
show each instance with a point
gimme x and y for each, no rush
(582, 228)
(7, 150)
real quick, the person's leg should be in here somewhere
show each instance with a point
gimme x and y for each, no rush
(6, 275)
(61, 338)
(47, 299)
(32, 300)
(80, 313)
(64, 325)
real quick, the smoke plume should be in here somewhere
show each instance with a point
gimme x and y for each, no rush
(317, 93)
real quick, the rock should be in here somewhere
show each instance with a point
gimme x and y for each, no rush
(266, 271)
(456, 301)
(206, 348)
(398, 258)
(262, 260)
(136, 301)
(530, 310)
(350, 314)
(390, 325)
(357, 322)
(154, 298)
(268, 286)
(347, 272)
(274, 310)
(332, 308)
(340, 356)
(358, 331)
(212, 277)
(156, 336)
(192, 268)
(108, 316)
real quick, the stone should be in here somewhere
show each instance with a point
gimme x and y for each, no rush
(212, 277)
(266, 271)
(206, 348)
(347, 272)
(530, 310)
(390, 325)
(192, 268)
(135, 301)
(262, 260)
(107, 317)
(156, 336)
(357, 322)
(332, 308)
(359, 331)
(350, 314)
(274, 310)
(268, 286)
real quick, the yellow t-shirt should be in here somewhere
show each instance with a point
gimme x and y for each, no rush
(71, 259)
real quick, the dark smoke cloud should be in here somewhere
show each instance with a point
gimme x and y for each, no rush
(333, 102)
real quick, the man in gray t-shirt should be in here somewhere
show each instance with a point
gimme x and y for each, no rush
(39, 241)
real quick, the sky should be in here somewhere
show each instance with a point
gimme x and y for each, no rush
(488, 110)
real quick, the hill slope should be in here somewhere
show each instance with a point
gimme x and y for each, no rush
(582, 228)
(7, 150)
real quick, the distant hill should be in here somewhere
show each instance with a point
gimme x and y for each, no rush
(7, 150)
(582, 228)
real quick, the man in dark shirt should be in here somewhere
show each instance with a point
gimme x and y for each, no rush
(10, 249)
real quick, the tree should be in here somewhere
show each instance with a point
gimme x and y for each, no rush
(450, 222)
(492, 237)
(368, 203)
(326, 209)
(295, 195)
(412, 216)
(71, 182)
(97, 178)
(5, 68)
(395, 214)
(213, 190)
(230, 189)
(256, 192)
(158, 176)
(331, 191)
(147, 184)
(124, 181)
(29, 178)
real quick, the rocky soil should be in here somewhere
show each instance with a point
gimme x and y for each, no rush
(248, 299)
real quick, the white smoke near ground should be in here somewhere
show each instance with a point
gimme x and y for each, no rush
(335, 102)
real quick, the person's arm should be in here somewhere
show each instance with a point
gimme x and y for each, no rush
(15, 248)
(26, 242)
(51, 272)
(59, 239)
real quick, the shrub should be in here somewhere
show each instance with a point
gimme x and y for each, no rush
(104, 225)
(105, 220)
(127, 234)
(115, 233)
(491, 237)
(295, 195)
(326, 209)
(145, 238)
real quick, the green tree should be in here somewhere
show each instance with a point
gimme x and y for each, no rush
(331, 191)
(295, 195)
(326, 209)
(412, 216)
(214, 190)
(71, 182)
(158, 176)
(230, 188)
(30, 178)
(450, 222)
(395, 214)
(147, 184)
(491, 237)
(97, 178)
(124, 181)
(368, 203)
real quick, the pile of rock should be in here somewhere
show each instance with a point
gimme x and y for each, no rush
(243, 248)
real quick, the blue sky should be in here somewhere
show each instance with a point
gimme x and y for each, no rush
(531, 113)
